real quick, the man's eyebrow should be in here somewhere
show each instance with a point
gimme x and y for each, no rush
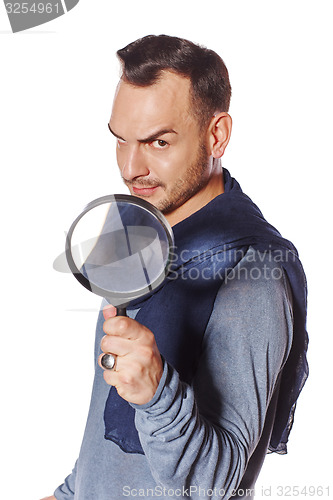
(116, 135)
(151, 138)
(157, 134)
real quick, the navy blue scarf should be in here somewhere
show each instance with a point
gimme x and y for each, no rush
(208, 244)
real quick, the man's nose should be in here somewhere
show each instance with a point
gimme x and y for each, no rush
(134, 163)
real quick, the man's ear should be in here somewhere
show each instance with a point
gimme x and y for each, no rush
(219, 131)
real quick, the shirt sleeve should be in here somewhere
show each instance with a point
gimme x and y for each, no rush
(66, 490)
(199, 438)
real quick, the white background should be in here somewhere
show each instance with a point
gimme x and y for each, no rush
(56, 89)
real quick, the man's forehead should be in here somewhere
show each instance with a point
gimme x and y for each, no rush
(138, 112)
(170, 95)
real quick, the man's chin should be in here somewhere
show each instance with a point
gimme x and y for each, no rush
(153, 196)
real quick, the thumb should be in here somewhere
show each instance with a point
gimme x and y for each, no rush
(109, 311)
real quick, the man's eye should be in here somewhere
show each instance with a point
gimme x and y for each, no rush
(159, 144)
(120, 142)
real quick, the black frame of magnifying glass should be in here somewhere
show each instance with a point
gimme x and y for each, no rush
(134, 200)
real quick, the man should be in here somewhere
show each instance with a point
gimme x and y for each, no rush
(208, 369)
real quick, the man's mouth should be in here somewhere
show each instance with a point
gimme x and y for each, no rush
(144, 191)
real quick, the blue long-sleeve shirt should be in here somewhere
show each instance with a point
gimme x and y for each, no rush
(210, 438)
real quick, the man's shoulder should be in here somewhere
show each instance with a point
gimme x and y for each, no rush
(254, 302)
(257, 266)
(258, 278)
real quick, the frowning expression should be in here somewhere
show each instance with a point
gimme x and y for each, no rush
(161, 153)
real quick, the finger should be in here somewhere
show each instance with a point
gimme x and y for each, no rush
(122, 326)
(109, 311)
(111, 377)
(116, 345)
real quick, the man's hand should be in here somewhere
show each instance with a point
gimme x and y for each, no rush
(138, 369)
(49, 498)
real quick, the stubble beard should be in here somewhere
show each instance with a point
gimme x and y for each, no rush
(194, 179)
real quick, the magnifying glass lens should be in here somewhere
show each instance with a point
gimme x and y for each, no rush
(119, 247)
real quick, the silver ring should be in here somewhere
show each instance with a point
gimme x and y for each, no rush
(108, 361)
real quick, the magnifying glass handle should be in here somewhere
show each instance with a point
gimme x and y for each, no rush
(109, 360)
(121, 311)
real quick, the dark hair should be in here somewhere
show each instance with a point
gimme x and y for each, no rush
(144, 60)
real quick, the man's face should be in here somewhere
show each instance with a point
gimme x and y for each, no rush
(160, 150)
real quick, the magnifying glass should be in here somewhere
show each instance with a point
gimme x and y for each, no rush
(120, 248)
